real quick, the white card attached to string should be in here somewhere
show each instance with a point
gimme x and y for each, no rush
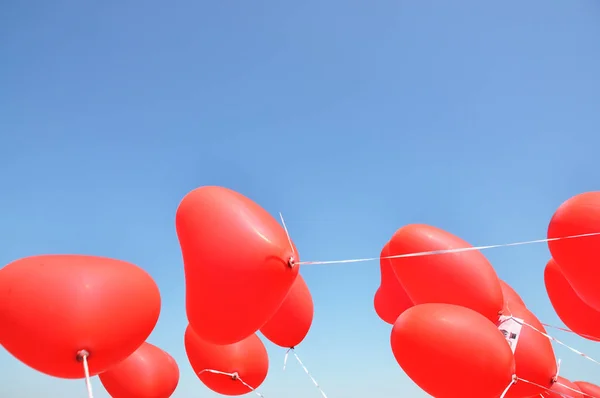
(511, 329)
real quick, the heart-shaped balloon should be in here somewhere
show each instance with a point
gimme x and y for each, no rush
(570, 308)
(534, 356)
(147, 373)
(228, 369)
(578, 258)
(463, 278)
(292, 321)
(239, 263)
(53, 307)
(437, 345)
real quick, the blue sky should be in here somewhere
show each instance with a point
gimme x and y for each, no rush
(352, 118)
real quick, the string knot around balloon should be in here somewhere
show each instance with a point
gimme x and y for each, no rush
(82, 355)
(235, 377)
(513, 381)
(291, 262)
(555, 378)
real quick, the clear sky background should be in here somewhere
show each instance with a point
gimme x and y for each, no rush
(352, 118)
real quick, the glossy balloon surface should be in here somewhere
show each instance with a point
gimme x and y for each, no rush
(54, 306)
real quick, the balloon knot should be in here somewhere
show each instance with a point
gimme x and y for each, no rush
(292, 348)
(291, 262)
(82, 354)
(235, 376)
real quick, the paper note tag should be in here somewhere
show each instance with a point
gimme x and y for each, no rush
(511, 329)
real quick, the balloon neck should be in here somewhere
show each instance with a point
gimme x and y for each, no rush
(81, 355)
(235, 376)
(291, 262)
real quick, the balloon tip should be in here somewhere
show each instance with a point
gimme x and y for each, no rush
(81, 355)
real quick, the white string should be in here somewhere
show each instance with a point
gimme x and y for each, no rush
(551, 338)
(285, 358)
(579, 392)
(553, 392)
(287, 233)
(86, 371)
(559, 342)
(235, 377)
(513, 381)
(587, 336)
(458, 250)
(305, 370)
(555, 378)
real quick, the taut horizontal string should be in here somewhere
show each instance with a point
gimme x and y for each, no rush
(457, 250)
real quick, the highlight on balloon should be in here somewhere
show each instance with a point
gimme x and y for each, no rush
(75, 316)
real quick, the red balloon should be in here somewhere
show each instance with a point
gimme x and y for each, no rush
(438, 345)
(510, 297)
(534, 357)
(390, 298)
(292, 321)
(564, 388)
(147, 373)
(570, 308)
(239, 265)
(578, 257)
(465, 278)
(590, 389)
(54, 306)
(247, 358)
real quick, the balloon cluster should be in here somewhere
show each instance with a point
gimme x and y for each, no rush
(458, 330)
(447, 334)
(452, 316)
(76, 316)
(241, 277)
